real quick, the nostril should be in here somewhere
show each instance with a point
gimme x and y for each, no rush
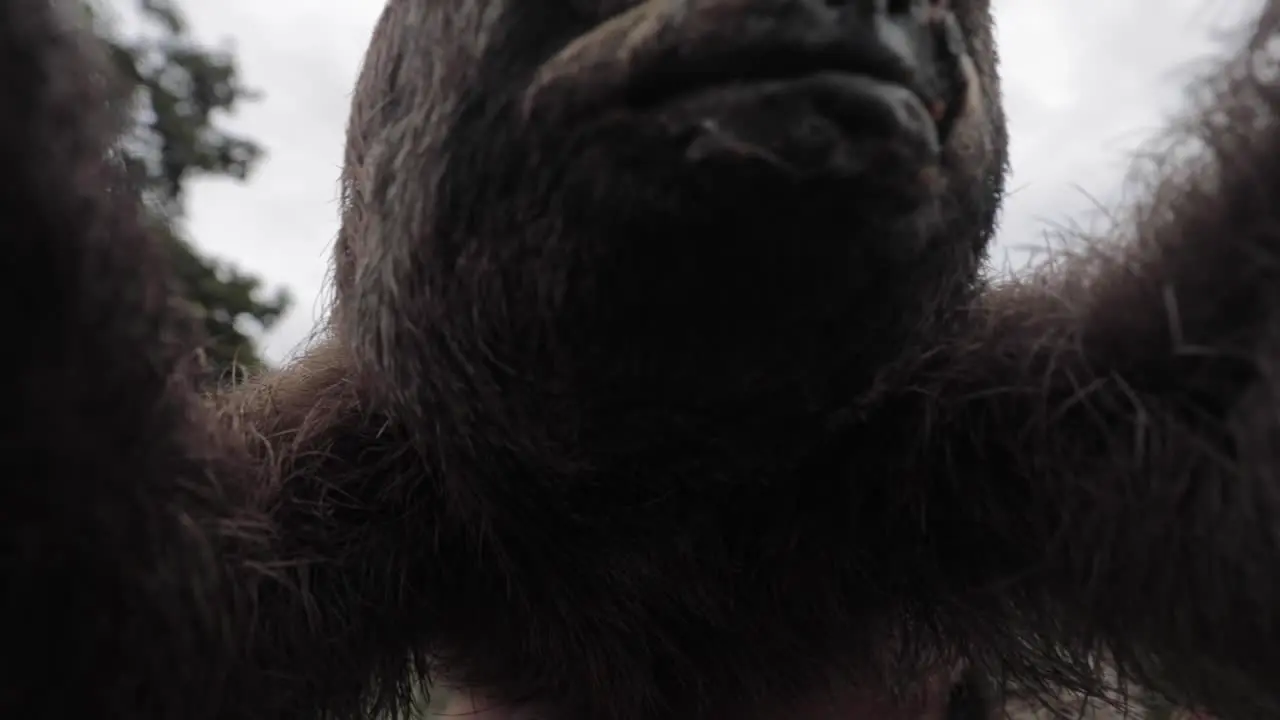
(885, 7)
(909, 7)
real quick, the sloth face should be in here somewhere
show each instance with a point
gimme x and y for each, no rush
(713, 189)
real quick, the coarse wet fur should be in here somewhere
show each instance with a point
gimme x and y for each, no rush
(604, 428)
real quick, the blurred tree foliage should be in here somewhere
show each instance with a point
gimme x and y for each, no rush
(178, 92)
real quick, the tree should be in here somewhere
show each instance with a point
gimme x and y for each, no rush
(178, 92)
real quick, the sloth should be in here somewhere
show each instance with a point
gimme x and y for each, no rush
(663, 379)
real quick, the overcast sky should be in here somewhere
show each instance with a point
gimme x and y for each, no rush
(1085, 82)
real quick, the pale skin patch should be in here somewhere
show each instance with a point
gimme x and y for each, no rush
(605, 56)
(969, 137)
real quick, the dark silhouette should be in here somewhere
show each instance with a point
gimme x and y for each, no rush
(661, 382)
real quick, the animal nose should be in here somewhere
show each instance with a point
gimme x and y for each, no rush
(924, 38)
(884, 7)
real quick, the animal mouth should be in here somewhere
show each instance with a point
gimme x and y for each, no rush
(939, 81)
(771, 65)
(870, 83)
(654, 57)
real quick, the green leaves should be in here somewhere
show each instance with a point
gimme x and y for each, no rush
(179, 92)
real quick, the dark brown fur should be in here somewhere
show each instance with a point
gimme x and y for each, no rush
(613, 439)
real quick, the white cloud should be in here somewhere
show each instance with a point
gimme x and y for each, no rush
(1086, 81)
